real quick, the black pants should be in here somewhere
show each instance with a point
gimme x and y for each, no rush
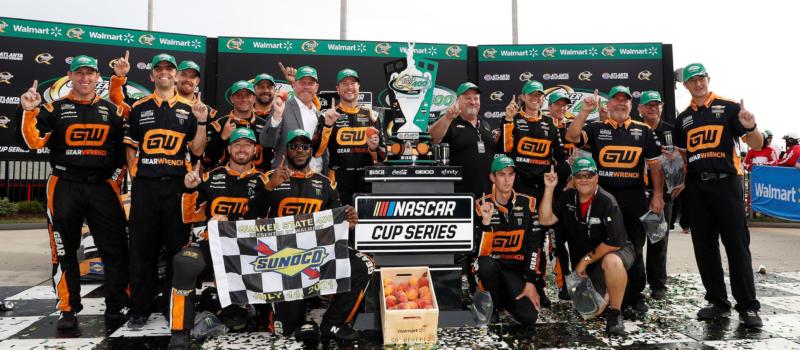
(718, 213)
(633, 204)
(289, 315)
(679, 209)
(656, 264)
(68, 204)
(349, 183)
(156, 225)
(188, 265)
(504, 285)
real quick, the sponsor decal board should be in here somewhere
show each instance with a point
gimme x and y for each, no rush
(775, 191)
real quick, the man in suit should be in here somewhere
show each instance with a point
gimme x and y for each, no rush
(300, 112)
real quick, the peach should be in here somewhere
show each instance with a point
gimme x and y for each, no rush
(388, 290)
(391, 301)
(423, 291)
(402, 286)
(423, 281)
(403, 306)
(412, 294)
(387, 281)
(413, 305)
(284, 95)
(413, 281)
(401, 296)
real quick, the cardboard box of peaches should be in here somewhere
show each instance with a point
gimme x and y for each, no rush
(409, 312)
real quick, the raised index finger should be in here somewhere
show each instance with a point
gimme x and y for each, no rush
(196, 166)
(282, 67)
(35, 85)
(127, 54)
(741, 104)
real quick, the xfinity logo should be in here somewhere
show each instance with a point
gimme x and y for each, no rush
(449, 172)
(497, 77)
(615, 76)
(555, 76)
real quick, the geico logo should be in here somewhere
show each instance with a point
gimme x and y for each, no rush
(294, 206)
(704, 137)
(290, 261)
(624, 157)
(351, 136)
(531, 147)
(423, 172)
(501, 242)
(86, 135)
(162, 141)
(228, 206)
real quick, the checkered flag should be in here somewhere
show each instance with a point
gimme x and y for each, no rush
(280, 259)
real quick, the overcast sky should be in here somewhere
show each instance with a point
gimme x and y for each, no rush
(748, 47)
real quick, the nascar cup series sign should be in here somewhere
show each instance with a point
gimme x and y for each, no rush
(402, 223)
(775, 191)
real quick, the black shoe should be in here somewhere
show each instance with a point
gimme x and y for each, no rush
(614, 323)
(563, 294)
(115, 317)
(658, 294)
(640, 307)
(180, 340)
(67, 320)
(307, 333)
(544, 301)
(713, 312)
(750, 319)
(339, 331)
(136, 322)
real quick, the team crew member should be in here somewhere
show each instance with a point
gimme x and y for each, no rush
(242, 96)
(650, 108)
(225, 200)
(162, 130)
(620, 146)
(592, 226)
(293, 188)
(264, 85)
(509, 272)
(84, 134)
(708, 130)
(350, 132)
(764, 156)
(532, 141)
(472, 144)
(792, 150)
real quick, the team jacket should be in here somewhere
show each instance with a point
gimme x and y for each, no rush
(302, 193)
(514, 237)
(84, 137)
(533, 143)
(346, 140)
(216, 153)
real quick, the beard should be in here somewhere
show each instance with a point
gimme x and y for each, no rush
(265, 99)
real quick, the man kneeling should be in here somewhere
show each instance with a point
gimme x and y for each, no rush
(592, 227)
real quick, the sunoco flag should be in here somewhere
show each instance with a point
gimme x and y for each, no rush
(280, 259)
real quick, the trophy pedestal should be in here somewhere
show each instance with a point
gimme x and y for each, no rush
(393, 186)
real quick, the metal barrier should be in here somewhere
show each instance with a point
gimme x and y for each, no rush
(22, 180)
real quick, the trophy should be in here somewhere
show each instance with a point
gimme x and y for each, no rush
(411, 85)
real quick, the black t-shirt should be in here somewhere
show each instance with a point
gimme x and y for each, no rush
(664, 135)
(464, 140)
(534, 144)
(708, 133)
(602, 224)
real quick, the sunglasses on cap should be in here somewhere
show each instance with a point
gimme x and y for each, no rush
(584, 175)
(302, 146)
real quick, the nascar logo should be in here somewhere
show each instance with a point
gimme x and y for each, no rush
(413, 208)
(290, 261)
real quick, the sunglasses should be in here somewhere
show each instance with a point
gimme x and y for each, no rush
(302, 146)
(584, 175)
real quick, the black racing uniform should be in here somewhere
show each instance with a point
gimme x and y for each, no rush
(346, 142)
(602, 223)
(534, 144)
(708, 134)
(86, 154)
(656, 264)
(216, 153)
(304, 193)
(222, 191)
(620, 151)
(510, 254)
(564, 171)
(472, 148)
(161, 132)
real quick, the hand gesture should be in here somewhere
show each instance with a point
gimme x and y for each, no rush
(278, 106)
(602, 112)
(746, 118)
(551, 178)
(31, 98)
(331, 115)
(288, 72)
(192, 179)
(453, 111)
(122, 66)
(280, 175)
(351, 216)
(511, 109)
(530, 292)
(200, 110)
(591, 102)
(228, 129)
(486, 210)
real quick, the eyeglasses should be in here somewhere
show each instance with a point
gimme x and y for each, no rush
(584, 175)
(302, 146)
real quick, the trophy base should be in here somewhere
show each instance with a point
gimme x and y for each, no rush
(409, 149)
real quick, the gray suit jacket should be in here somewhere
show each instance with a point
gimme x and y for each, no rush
(276, 137)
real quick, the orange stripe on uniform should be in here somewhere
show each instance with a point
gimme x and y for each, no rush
(51, 186)
(326, 136)
(177, 304)
(508, 137)
(190, 212)
(62, 291)
(355, 307)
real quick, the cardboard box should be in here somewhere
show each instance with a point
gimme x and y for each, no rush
(408, 326)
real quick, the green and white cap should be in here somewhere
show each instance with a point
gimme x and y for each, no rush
(693, 70)
(83, 61)
(501, 163)
(619, 89)
(306, 71)
(584, 164)
(263, 76)
(347, 72)
(464, 87)
(163, 57)
(240, 85)
(650, 96)
(189, 65)
(558, 95)
(297, 133)
(242, 133)
(532, 86)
